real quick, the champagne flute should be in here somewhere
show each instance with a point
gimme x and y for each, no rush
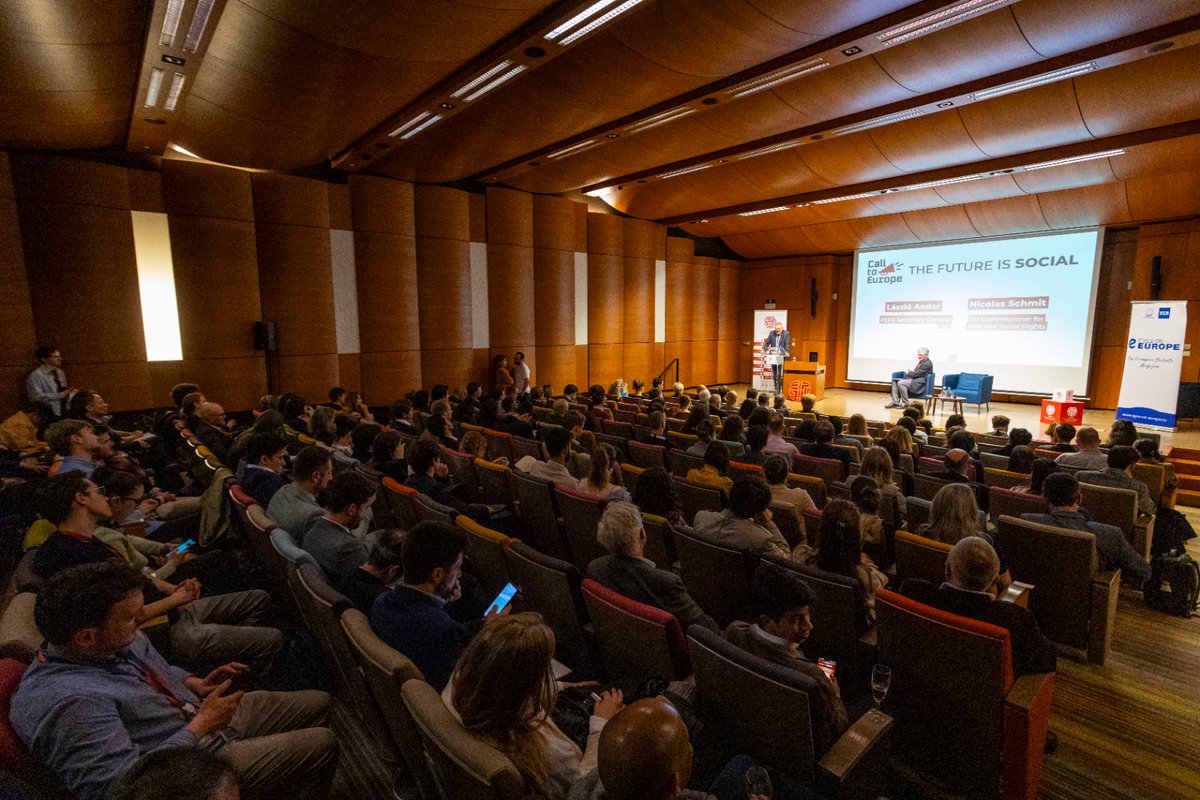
(881, 681)
(758, 782)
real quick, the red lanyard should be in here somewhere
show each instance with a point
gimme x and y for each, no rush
(146, 674)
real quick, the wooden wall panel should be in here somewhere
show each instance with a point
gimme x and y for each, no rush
(704, 362)
(606, 363)
(443, 225)
(554, 233)
(558, 365)
(643, 243)
(729, 362)
(202, 190)
(16, 312)
(682, 351)
(606, 302)
(296, 282)
(729, 291)
(511, 287)
(705, 313)
(310, 376)
(554, 278)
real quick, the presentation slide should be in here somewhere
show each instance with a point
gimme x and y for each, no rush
(1017, 308)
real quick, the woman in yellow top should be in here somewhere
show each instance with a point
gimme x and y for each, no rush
(504, 378)
(716, 464)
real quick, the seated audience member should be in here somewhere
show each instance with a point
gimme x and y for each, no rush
(74, 440)
(956, 421)
(179, 773)
(782, 605)
(570, 393)
(856, 425)
(228, 626)
(841, 552)
(714, 473)
(919, 432)
(1017, 437)
(467, 410)
(295, 505)
(439, 431)
(503, 691)
(705, 434)
(865, 494)
(22, 431)
(733, 436)
(636, 388)
(627, 572)
(1063, 435)
(1000, 425)
(823, 447)
(714, 406)
(330, 538)
(748, 405)
(266, 456)
(970, 590)
(213, 431)
(100, 696)
(604, 479)
(845, 441)
(953, 515)
(762, 416)
(756, 443)
(321, 425)
(1119, 474)
(1061, 491)
(131, 503)
(654, 493)
(644, 754)
(411, 617)
(903, 440)
(270, 421)
(1148, 454)
(557, 443)
(730, 401)
(962, 439)
(746, 525)
(775, 441)
(402, 411)
(598, 410)
(658, 430)
(430, 478)
(343, 443)
(956, 466)
(1042, 468)
(877, 464)
(387, 455)
(1122, 432)
(1021, 459)
(1089, 455)
(362, 438)
(337, 399)
(380, 572)
(188, 406)
(776, 470)
(518, 423)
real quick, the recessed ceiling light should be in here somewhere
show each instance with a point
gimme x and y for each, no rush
(177, 81)
(462, 90)
(588, 14)
(446, 106)
(1059, 162)
(199, 23)
(1036, 80)
(614, 136)
(154, 87)
(684, 171)
(574, 149)
(776, 77)
(763, 211)
(661, 118)
(495, 82)
(929, 23)
(170, 23)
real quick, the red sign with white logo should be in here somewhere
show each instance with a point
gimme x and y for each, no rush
(1054, 411)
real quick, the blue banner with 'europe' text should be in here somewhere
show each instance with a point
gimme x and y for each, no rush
(1153, 359)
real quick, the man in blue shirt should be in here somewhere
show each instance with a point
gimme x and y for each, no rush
(98, 697)
(75, 440)
(412, 617)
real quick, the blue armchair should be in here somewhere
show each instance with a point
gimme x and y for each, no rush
(929, 384)
(973, 387)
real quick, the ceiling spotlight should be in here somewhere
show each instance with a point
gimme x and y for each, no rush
(945, 104)
(446, 106)
(614, 136)
(852, 51)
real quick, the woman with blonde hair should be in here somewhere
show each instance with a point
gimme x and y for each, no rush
(954, 516)
(474, 444)
(503, 691)
(877, 464)
(903, 439)
(857, 425)
(604, 478)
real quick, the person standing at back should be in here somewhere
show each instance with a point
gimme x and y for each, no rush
(47, 383)
(520, 373)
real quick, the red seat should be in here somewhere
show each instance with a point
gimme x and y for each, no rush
(636, 641)
(14, 758)
(239, 495)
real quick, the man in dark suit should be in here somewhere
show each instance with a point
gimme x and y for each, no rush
(266, 457)
(778, 341)
(823, 446)
(956, 465)
(913, 381)
(628, 573)
(969, 591)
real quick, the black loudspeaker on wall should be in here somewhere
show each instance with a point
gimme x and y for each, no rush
(813, 307)
(1155, 277)
(264, 336)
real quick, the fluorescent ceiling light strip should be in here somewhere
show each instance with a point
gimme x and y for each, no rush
(1059, 162)
(177, 81)
(156, 79)
(410, 123)
(481, 91)
(887, 119)
(503, 65)
(575, 148)
(421, 127)
(945, 182)
(847, 197)
(591, 26)
(199, 23)
(777, 77)
(775, 148)
(1038, 80)
(179, 149)
(661, 119)
(942, 19)
(171, 23)
(763, 211)
(587, 13)
(685, 171)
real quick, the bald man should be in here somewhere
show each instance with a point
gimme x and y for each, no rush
(213, 432)
(644, 755)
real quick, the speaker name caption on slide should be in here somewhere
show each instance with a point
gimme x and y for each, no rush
(902, 313)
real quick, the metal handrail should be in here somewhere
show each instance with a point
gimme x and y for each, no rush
(673, 361)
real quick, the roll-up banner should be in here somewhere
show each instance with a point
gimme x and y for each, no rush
(764, 322)
(1153, 360)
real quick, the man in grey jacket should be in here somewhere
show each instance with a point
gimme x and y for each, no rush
(99, 697)
(746, 525)
(330, 538)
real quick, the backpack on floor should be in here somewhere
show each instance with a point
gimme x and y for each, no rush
(1181, 576)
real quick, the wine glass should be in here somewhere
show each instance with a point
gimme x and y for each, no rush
(881, 681)
(758, 782)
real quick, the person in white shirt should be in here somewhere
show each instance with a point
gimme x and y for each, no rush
(520, 373)
(555, 468)
(47, 383)
(1089, 455)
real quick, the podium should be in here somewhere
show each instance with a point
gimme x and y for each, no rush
(801, 378)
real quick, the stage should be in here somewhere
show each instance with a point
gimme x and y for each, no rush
(845, 402)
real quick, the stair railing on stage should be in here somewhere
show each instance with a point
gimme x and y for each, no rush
(673, 362)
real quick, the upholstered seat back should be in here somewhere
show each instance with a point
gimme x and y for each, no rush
(462, 469)
(636, 641)
(694, 497)
(919, 557)
(835, 633)
(647, 456)
(427, 508)
(486, 550)
(19, 634)
(493, 482)
(715, 576)
(581, 514)
(537, 507)
(398, 499)
(1003, 502)
(660, 541)
(551, 587)
(828, 470)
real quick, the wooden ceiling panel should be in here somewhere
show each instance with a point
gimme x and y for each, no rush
(710, 39)
(937, 140)
(841, 90)
(1007, 216)
(1031, 120)
(1171, 155)
(41, 67)
(890, 229)
(848, 159)
(1164, 196)
(832, 237)
(979, 47)
(978, 191)
(1143, 94)
(1067, 176)
(826, 19)
(670, 197)
(1054, 27)
(940, 224)
(771, 243)
(1083, 207)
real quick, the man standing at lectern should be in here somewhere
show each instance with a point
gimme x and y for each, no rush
(777, 341)
(913, 381)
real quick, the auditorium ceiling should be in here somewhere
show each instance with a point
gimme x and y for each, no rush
(782, 126)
